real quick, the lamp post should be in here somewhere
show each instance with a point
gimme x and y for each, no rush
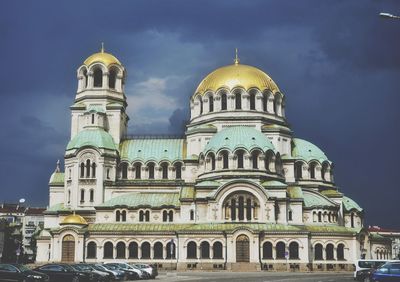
(388, 16)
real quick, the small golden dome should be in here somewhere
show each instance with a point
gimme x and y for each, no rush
(74, 219)
(102, 57)
(236, 75)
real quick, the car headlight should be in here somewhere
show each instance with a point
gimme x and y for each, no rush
(34, 276)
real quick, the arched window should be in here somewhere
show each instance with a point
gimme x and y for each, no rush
(88, 168)
(294, 250)
(233, 209)
(290, 216)
(252, 101)
(165, 216)
(210, 103)
(85, 78)
(201, 104)
(329, 252)
(92, 118)
(265, 102)
(158, 250)
(133, 250)
(225, 160)
(315, 216)
(151, 170)
(118, 216)
(312, 170)
(352, 220)
(212, 159)
(69, 196)
(178, 171)
(241, 208)
(191, 214)
(318, 252)
(141, 216)
(108, 250)
(145, 250)
(254, 158)
(267, 250)
(319, 216)
(324, 170)
(112, 78)
(91, 195)
(123, 216)
(93, 170)
(121, 250)
(298, 170)
(217, 250)
(91, 250)
(248, 209)
(98, 78)
(191, 250)
(138, 170)
(147, 216)
(224, 101)
(267, 161)
(171, 216)
(108, 173)
(82, 195)
(340, 252)
(240, 161)
(238, 101)
(82, 170)
(204, 250)
(124, 170)
(171, 250)
(164, 167)
(280, 250)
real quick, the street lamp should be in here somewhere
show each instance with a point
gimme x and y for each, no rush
(388, 16)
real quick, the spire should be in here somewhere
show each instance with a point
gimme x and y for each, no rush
(237, 60)
(58, 166)
(102, 47)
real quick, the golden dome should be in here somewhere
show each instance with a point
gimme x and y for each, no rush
(236, 75)
(102, 57)
(74, 219)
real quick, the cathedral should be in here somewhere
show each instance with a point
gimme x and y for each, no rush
(237, 192)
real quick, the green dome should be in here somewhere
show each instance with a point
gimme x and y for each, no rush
(307, 151)
(95, 137)
(236, 137)
(350, 204)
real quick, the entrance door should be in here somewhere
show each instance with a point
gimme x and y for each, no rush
(68, 249)
(242, 249)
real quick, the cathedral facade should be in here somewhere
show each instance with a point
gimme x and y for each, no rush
(238, 191)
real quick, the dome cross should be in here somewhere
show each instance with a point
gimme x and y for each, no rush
(237, 60)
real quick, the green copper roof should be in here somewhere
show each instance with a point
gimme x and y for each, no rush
(236, 137)
(95, 137)
(295, 192)
(273, 184)
(95, 109)
(215, 227)
(307, 151)
(57, 178)
(57, 207)
(187, 193)
(312, 199)
(331, 193)
(202, 128)
(152, 149)
(208, 183)
(349, 205)
(144, 199)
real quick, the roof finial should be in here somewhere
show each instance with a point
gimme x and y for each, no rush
(237, 60)
(102, 47)
(58, 166)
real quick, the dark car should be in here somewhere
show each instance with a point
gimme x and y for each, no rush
(63, 273)
(117, 275)
(19, 272)
(95, 275)
(390, 271)
(130, 274)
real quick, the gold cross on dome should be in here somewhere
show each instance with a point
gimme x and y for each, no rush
(237, 60)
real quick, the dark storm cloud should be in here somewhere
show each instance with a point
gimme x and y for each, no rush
(336, 61)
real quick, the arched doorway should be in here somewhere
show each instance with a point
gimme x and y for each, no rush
(242, 248)
(68, 249)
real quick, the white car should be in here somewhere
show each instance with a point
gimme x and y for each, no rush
(152, 271)
(141, 274)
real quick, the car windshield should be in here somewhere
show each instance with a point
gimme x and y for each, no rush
(22, 267)
(367, 264)
(81, 267)
(99, 267)
(68, 267)
(112, 267)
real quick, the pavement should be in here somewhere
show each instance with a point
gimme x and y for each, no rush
(256, 276)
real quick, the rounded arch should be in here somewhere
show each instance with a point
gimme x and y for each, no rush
(191, 250)
(318, 251)
(267, 247)
(158, 250)
(133, 248)
(108, 249)
(91, 249)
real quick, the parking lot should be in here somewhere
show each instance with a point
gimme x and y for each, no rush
(254, 276)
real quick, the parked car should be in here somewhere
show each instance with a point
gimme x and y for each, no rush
(390, 271)
(117, 275)
(130, 275)
(19, 272)
(64, 273)
(150, 269)
(364, 267)
(100, 276)
(135, 272)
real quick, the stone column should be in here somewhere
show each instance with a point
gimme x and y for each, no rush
(105, 80)
(259, 100)
(245, 101)
(139, 251)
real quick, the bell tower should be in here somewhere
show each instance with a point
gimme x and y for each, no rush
(100, 100)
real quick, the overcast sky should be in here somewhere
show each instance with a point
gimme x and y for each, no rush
(337, 62)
